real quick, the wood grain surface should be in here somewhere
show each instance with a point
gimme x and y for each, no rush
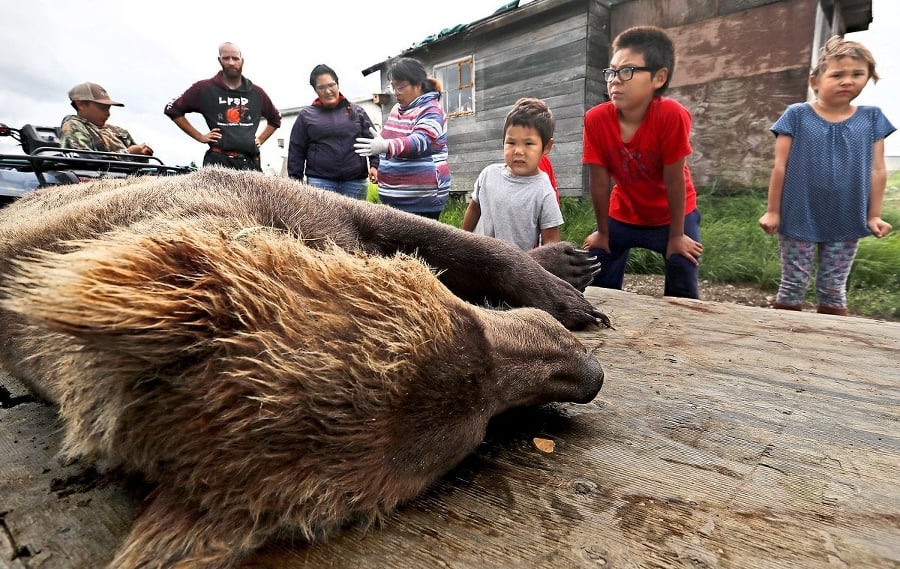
(725, 436)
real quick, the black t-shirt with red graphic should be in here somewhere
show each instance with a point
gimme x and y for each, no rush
(235, 112)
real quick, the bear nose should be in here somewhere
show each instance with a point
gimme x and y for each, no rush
(592, 376)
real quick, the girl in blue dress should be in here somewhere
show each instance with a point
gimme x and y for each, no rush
(827, 185)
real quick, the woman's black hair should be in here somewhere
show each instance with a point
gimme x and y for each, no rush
(413, 72)
(321, 69)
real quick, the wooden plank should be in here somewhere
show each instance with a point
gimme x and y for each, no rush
(732, 58)
(730, 6)
(725, 436)
(12, 392)
(663, 13)
(736, 62)
(541, 32)
(466, 143)
(52, 514)
(493, 105)
(513, 44)
(737, 114)
(750, 43)
(475, 141)
(520, 61)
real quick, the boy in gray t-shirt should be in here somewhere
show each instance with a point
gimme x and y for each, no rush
(514, 201)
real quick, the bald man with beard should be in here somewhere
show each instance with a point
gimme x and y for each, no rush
(233, 108)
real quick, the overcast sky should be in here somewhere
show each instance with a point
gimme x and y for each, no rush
(145, 54)
(883, 40)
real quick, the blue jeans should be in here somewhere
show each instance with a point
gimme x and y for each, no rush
(681, 273)
(350, 188)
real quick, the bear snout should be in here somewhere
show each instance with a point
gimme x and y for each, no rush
(589, 378)
(593, 372)
(578, 380)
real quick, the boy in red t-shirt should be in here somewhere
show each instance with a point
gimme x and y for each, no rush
(547, 168)
(640, 140)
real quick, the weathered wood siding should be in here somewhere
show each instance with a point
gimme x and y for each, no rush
(595, 91)
(739, 64)
(543, 54)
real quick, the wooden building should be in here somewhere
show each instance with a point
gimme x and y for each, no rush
(739, 63)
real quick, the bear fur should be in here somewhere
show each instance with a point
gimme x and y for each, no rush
(274, 357)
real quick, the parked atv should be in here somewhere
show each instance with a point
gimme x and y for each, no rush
(44, 163)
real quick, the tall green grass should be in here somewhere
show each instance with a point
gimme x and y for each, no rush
(737, 251)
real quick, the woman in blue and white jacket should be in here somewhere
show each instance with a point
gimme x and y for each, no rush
(413, 173)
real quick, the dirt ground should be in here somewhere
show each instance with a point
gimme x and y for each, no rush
(652, 285)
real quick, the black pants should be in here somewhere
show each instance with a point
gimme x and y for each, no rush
(239, 162)
(681, 274)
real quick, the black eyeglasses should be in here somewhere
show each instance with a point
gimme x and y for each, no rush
(624, 73)
(326, 87)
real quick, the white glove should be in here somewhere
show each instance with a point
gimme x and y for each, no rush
(371, 146)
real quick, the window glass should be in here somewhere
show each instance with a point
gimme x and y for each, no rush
(458, 81)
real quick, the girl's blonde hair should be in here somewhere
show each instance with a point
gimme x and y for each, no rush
(838, 48)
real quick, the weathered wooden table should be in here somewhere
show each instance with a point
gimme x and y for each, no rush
(725, 436)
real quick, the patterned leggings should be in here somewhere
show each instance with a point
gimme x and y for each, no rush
(835, 261)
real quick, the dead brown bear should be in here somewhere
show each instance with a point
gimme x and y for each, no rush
(270, 355)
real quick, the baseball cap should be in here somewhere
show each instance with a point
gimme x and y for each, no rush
(91, 92)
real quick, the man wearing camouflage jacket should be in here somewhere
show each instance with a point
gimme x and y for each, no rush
(88, 130)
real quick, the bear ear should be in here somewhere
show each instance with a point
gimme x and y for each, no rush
(144, 296)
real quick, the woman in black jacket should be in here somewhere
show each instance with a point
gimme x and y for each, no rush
(321, 146)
